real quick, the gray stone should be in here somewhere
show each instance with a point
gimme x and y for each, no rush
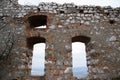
(59, 78)
(52, 27)
(92, 51)
(112, 38)
(21, 67)
(60, 26)
(48, 62)
(119, 48)
(68, 70)
(68, 47)
(105, 67)
(87, 23)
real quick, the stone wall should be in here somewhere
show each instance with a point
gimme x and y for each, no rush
(97, 27)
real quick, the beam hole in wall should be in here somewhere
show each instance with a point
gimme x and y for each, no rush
(79, 61)
(38, 21)
(111, 21)
(38, 60)
(62, 12)
(81, 11)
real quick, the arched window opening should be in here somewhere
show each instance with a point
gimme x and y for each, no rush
(83, 39)
(79, 61)
(38, 60)
(37, 21)
(80, 69)
(37, 44)
(33, 40)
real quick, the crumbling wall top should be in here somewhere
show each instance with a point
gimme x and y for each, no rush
(12, 8)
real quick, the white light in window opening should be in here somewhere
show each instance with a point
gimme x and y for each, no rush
(40, 27)
(79, 60)
(38, 60)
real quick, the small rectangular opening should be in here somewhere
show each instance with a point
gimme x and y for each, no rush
(37, 21)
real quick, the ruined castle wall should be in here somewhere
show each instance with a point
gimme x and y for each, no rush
(100, 24)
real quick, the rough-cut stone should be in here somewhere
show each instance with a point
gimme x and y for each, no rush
(68, 70)
(113, 38)
(97, 27)
(52, 27)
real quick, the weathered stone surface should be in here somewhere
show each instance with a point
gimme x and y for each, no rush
(113, 38)
(100, 24)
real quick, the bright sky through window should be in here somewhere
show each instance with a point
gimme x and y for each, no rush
(40, 27)
(79, 60)
(38, 59)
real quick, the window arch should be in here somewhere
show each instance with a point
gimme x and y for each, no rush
(80, 69)
(82, 39)
(33, 40)
(37, 44)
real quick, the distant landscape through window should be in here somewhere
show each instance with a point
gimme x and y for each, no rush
(38, 60)
(80, 69)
